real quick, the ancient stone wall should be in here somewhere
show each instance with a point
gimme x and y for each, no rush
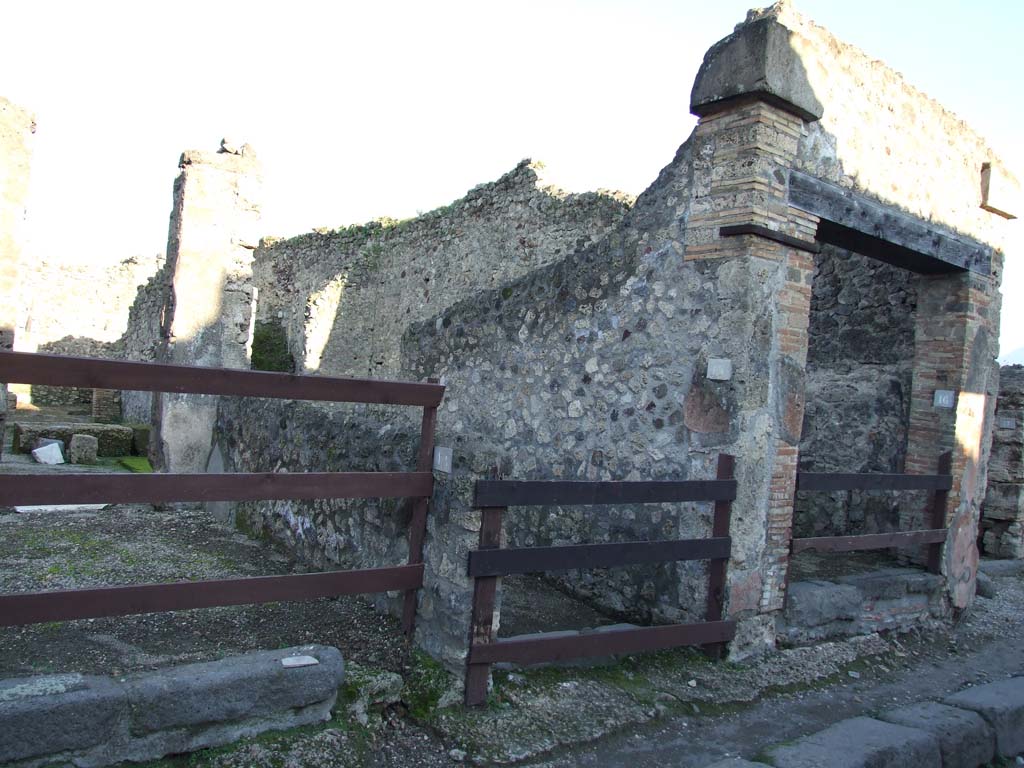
(144, 337)
(859, 365)
(82, 310)
(592, 362)
(344, 298)
(1002, 523)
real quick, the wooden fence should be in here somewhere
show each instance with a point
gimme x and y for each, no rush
(939, 484)
(490, 561)
(62, 605)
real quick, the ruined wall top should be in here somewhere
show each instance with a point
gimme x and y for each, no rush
(867, 128)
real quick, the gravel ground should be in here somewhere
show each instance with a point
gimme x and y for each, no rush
(672, 708)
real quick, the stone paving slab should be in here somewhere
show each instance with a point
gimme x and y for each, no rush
(99, 721)
(860, 742)
(1002, 706)
(965, 739)
(737, 762)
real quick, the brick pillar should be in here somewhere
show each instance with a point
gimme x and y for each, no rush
(743, 153)
(16, 129)
(213, 233)
(955, 338)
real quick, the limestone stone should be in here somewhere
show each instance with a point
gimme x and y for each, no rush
(112, 439)
(1001, 704)
(48, 454)
(965, 740)
(759, 60)
(210, 266)
(860, 742)
(83, 449)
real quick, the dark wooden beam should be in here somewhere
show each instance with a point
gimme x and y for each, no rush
(525, 493)
(857, 223)
(838, 481)
(869, 541)
(536, 649)
(502, 562)
(65, 371)
(241, 486)
(65, 605)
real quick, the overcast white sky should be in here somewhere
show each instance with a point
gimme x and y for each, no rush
(360, 110)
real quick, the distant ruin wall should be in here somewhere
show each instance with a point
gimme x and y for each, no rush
(82, 310)
(344, 298)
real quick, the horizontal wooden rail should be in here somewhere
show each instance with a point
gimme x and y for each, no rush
(65, 605)
(831, 481)
(870, 541)
(64, 371)
(502, 562)
(526, 493)
(152, 488)
(534, 650)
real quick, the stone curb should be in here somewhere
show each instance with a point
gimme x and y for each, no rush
(96, 721)
(966, 730)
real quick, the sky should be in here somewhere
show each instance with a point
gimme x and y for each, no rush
(366, 109)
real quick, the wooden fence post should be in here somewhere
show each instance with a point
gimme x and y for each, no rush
(939, 502)
(717, 567)
(482, 620)
(418, 522)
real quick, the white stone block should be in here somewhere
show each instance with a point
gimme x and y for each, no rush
(48, 454)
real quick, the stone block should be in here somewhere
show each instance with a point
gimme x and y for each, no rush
(237, 688)
(1004, 501)
(860, 742)
(999, 568)
(757, 59)
(965, 739)
(83, 449)
(1002, 706)
(48, 454)
(44, 441)
(814, 603)
(57, 713)
(140, 439)
(114, 439)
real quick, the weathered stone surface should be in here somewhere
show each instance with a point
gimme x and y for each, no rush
(884, 600)
(54, 713)
(44, 441)
(235, 688)
(812, 604)
(49, 453)
(210, 265)
(985, 587)
(371, 281)
(83, 449)
(965, 740)
(736, 762)
(758, 60)
(1003, 508)
(860, 742)
(112, 439)
(98, 721)
(1002, 706)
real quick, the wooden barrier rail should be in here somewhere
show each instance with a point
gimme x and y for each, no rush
(939, 484)
(63, 371)
(490, 561)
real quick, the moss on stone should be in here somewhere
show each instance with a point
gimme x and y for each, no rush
(270, 349)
